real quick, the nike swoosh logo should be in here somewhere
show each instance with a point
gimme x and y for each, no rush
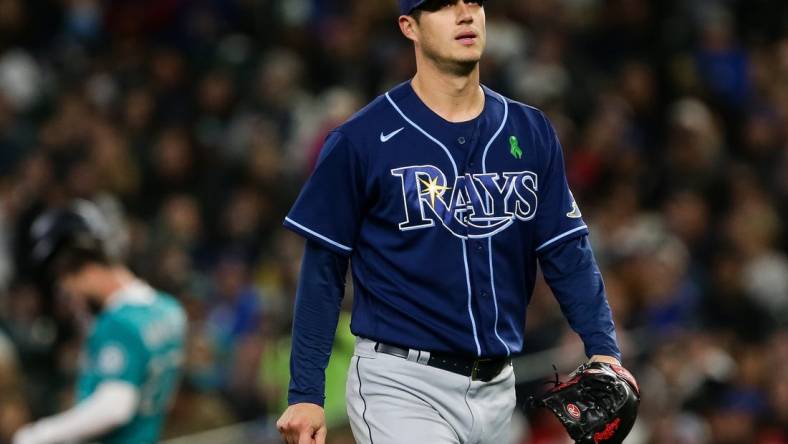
(385, 138)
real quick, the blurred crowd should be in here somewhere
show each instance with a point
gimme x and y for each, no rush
(193, 123)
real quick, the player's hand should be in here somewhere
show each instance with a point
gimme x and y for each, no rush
(605, 359)
(303, 423)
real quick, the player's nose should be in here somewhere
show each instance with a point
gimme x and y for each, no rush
(464, 15)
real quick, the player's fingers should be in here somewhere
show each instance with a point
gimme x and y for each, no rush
(286, 437)
(288, 431)
(292, 438)
(305, 437)
(320, 436)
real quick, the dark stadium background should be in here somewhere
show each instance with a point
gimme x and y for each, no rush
(192, 124)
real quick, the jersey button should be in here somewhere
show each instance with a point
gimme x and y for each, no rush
(484, 294)
(461, 140)
(479, 246)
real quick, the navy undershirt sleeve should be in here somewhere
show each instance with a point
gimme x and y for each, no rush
(321, 287)
(572, 273)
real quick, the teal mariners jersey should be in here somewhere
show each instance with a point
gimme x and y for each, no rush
(139, 339)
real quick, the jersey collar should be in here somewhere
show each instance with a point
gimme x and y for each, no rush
(136, 292)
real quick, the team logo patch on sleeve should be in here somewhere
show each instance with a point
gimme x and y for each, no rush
(575, 213)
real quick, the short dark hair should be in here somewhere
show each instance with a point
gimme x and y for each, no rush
(76, 254)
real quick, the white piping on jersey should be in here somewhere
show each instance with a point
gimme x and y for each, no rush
(470, 311)
(318, 235)
(503, 123)
(560, 236)
(495, 297)
(489, 239)
(464, 250)
(413, 124)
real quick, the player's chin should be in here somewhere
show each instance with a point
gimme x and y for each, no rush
(469, 54)
(468, 58)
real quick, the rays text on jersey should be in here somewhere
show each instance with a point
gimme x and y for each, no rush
(476, 206)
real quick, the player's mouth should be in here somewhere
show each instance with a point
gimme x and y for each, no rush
(467, 38)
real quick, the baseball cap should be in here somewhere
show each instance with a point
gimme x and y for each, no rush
(407, 6)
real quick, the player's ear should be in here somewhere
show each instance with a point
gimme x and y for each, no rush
(409, 26)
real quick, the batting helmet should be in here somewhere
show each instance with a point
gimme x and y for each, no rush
(78, 227)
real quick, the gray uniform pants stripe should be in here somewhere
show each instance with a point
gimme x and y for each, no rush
(393, 400)
(364, 412)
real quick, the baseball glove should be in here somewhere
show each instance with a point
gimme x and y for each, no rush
(597, 405)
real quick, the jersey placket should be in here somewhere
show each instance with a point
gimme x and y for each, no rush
(476, 249)
(483, 248)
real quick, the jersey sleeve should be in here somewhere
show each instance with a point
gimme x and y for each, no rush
(318, 302)
(559, 218)
(118, 354)
(573, 274)
(329, 208)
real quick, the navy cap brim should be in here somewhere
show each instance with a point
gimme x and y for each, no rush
(407, 6)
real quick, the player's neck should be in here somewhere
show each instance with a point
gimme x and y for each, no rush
(115, 279)
(454, 98)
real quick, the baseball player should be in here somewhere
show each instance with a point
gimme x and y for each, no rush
(444, 195)
(132, 356)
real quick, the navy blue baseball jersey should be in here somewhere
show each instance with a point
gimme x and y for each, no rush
(443, 222)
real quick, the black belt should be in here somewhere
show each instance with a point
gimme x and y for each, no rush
(482, 369)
